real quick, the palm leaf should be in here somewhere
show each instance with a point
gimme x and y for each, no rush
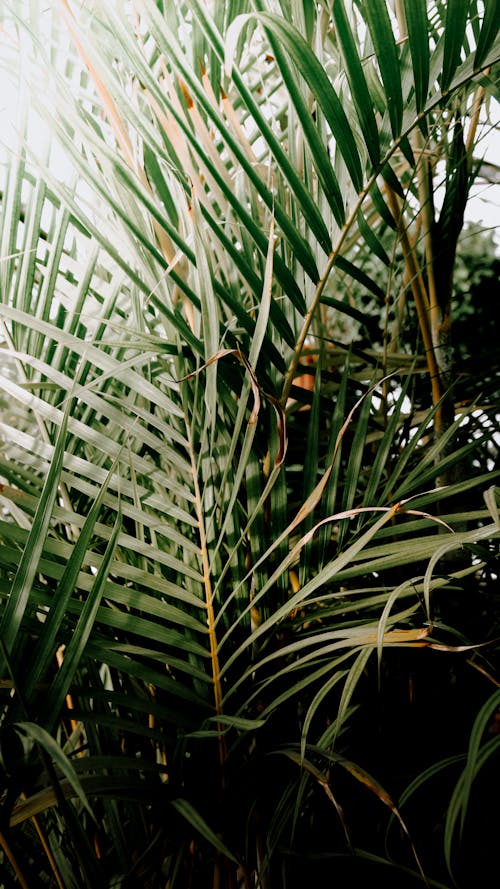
(317, 81)
(379, 24)
(204, 549)
(456, 19)
(357, 82)
(489, 31)
(28, 565)
(417, 25)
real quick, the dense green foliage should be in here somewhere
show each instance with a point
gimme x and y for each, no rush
(248, 611)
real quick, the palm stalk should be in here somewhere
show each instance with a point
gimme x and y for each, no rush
(211, 541)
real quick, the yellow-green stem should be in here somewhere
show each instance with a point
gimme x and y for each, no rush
(421, 299)
(207, 583)
(427, 215)
(474, 121)
(13, 861)
(46, 848)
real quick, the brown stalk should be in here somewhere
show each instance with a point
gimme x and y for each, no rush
(421, 298)
(424, 175)
(474, 121)
(48, 852)
(207, 583)
(426, 301)
(9, 854)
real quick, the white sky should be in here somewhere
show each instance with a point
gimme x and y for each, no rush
(484, 203)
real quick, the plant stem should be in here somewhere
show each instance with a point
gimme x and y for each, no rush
(420, 296)
(207, 583)
(13, 861)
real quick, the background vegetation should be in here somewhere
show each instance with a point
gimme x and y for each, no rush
(249, 611)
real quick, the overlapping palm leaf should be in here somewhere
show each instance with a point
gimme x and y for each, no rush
(197, 535)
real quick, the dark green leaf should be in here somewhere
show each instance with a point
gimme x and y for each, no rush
(372, 240)
(357, 82)
(316, 78)
(489, 31)
(454, 34)
(29, 561)
(379, 23)
(418, 36)
(184, 808)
